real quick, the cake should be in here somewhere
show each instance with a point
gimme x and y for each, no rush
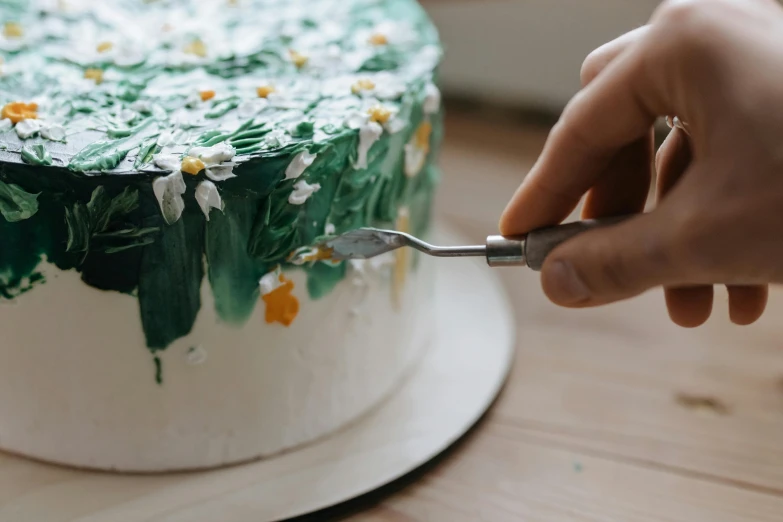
(167, 171)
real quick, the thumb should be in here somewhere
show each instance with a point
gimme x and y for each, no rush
(609, 264)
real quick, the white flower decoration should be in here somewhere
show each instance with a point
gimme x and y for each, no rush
(270, 281)
(53, 132)
(167, 161)
(298, 165)
(302, 192)
(168, 191)
(27, 128)
(165, 139)
(277, 138)
(217, 160)
(251, 107)
(208, 197)
(369, 133)
(431, 99)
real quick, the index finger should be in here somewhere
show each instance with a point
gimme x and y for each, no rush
(616, 109)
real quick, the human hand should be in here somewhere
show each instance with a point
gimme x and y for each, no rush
(717, 65)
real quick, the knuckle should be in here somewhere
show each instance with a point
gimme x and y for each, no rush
(690, 26)
(592, 66)
(681, 11)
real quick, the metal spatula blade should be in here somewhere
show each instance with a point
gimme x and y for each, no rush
(529, 250)
(365, 243)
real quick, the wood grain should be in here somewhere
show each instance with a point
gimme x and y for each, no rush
(663, 423)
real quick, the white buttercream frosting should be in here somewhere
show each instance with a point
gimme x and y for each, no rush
(298, 164)
(208, 197)
(168, 191)
(302, 192)
(369, 133)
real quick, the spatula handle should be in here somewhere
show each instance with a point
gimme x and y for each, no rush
(533, 248)
(540, 243)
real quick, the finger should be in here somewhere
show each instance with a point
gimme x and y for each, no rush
(625, 184)
(688, 306)
(673, 158)
(618, 108)
(597, 60)
(747, 303)
(624, 187)
(613, 263)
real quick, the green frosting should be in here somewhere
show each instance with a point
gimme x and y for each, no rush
(15, 203)
(36, 154)
(300, 118)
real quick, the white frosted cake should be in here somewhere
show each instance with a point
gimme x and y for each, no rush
(167, 170)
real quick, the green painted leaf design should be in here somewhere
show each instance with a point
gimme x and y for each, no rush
(170, 281)
(233, 273)
(77, 219)
(220, 108)
(101, 155)
(16, 204)
(275, 233)
(36, 154)
(130, 238)
(106, 155)
(103, 210)
(124, 203)
(386, 60)
(147, 150)
(98, 209)
(89, 225)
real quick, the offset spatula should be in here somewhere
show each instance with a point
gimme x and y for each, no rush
(529, 250)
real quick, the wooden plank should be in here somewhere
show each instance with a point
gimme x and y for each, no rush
(504, 475)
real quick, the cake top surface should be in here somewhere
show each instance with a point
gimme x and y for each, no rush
(151, 86)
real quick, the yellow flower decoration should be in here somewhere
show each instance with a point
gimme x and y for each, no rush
(378, 39)
(281, 305)
(197, 48)
(298, 58)
(379, 113)
(265, 90)
(363, 84)
(13, 30)
(191, 165)
(18, 111)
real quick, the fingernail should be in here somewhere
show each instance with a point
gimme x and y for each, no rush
(563, 285)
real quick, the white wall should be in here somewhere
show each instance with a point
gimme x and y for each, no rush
(527, 52)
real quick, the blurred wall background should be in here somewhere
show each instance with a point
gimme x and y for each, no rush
(526, 53)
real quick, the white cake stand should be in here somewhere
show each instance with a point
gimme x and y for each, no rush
(455, 383)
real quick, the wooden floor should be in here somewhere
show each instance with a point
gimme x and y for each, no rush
(611, 414)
